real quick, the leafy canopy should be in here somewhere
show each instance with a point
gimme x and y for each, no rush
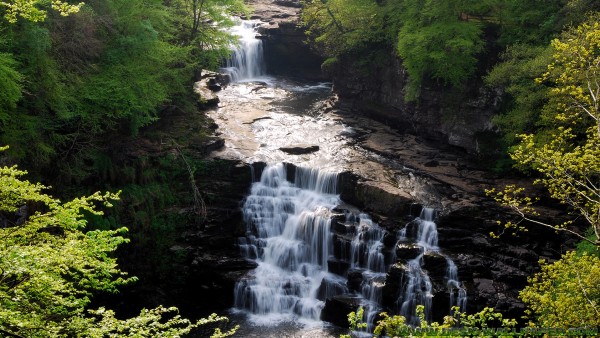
(436, 40)
(566, 293)
(50, 267)
(35, 10)
(568, 162)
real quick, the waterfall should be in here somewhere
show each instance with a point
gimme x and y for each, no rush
(460, 298)
(288, 234)
(246, 62)
(419, 288)
(289, 215)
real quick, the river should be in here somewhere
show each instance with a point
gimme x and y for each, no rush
(307, 242)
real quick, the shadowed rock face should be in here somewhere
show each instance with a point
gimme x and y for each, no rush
(286, 52)
(300, 149)
(438, 114)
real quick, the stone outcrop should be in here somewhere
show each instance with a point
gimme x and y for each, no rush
(300, 149)
(210, 262)
(207, 86)
(458, 119)
(286, 53)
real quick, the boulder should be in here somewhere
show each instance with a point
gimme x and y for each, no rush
(336, 309)
(355, 279)
(206, 97)
(300, 149)
(408, 251)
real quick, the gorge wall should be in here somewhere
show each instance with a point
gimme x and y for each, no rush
(460, 118)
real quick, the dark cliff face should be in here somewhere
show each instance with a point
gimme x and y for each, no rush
(449, 116)
(287, 54)
(285, 50)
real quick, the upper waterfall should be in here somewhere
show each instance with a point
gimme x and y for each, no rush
(247, 61)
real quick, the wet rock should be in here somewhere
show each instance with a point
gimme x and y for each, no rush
(338, 266)
(389, 239)
(395, 283)
(408, 251)
(436, 265)
(377, 197)
(257, 169)
(342, 246)
(212, 144)
(330, 287)
(206, 97)
(355, 279)
(337, 223)
(288, 3)
(214, 79)
(290, 170)
(209, 83)
(336, 309)
(465, 123)
(223, 263)
(300, 149)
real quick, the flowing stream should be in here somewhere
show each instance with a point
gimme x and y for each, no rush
(309, 245)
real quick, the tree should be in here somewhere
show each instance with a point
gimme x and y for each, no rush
(50, 267)
(35, 10)
(338, 27)
(201, 25)
(439, 41)
(567, 158)
(566, 294)
(10, 84)
(436, 40)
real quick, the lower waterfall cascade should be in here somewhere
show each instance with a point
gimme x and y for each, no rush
(310, 247)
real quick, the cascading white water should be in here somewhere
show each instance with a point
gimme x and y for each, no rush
(246, 62)
(460, 298)
(366, 254)
(419, 288)
(289, 236)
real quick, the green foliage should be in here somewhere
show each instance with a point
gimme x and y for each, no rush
(435, 42)
(194, 20)
(568, 162)
(35, 10)
(452, 326)
(10, 85)
(587, 246)
(432, 38)
(338, 27)
(442, 41)
(355, 319)
(109, 67)
(530, 22)
(50, 268)
(565, 293)
(520, 66)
